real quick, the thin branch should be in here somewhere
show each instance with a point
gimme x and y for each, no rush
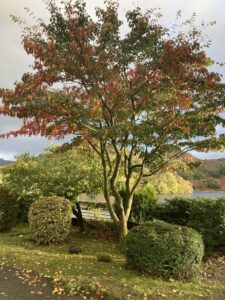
(94, 148)
(167, 162)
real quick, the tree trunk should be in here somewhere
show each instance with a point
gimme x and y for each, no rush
(123, 231)
(78, 213)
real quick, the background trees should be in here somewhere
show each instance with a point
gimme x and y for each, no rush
(147, 94)
(210, 175)
(65, 174)
(170, 183)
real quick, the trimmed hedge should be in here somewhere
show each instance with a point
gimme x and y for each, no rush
(207, 216)
(162, 249)
(50, 220)
(9, 210)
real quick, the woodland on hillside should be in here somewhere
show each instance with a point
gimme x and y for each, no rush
(210, 175)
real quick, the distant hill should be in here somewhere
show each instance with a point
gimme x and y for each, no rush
(5, 162)
(210, 175)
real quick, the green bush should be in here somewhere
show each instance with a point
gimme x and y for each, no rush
(9, 210)
(144, 200)
(50, 219)
(162, 249)
(104, 257)
(207, 216)
(24, 204)
(175, 211)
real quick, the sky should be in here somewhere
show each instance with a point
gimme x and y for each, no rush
(14, 61)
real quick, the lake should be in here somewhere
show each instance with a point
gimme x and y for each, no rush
(208, 194)
(216, 194)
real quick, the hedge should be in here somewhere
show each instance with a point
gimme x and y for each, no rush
(207, 216)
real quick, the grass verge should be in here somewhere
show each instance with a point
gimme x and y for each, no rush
(83, 274)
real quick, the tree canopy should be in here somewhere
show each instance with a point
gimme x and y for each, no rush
(147, 93)
(62, 174)
(170, 183)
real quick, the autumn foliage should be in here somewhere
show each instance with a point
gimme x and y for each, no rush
(133, 97)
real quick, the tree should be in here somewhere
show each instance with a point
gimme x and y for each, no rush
(65, 174)
(147, 93)
(168, 183)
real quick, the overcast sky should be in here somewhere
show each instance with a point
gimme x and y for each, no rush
(14, 61)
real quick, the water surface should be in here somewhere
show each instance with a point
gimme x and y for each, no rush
(216, 194)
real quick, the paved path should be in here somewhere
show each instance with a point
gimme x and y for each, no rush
(24, 285)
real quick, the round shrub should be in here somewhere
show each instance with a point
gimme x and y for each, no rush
(104, 257)
(9, 210)
(50, 220)
(162, 249)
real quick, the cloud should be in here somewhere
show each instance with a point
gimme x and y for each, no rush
(208, 155)
(11, 147)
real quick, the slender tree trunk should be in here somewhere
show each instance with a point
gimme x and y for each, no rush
(78, 213)
(122, 224)
(123, 231)
(80, 218)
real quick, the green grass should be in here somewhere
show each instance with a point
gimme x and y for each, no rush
(83, 274)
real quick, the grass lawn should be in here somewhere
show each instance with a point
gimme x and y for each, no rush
(83, 274)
